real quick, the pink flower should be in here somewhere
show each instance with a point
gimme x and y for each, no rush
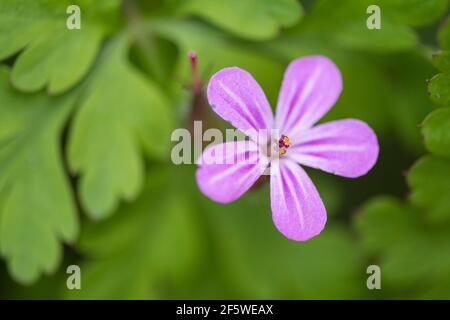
(347, 147)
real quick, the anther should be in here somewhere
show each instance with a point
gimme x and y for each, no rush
(283, 144)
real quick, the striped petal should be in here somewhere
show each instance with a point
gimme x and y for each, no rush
(228, 170)
(347, 147)
(236, 97)
(297, 209)
(311, 86)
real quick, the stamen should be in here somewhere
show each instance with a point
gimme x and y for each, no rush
(283, 144)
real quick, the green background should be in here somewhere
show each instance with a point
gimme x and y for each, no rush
(85, 171)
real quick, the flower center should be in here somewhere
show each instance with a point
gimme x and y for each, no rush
(283, 144)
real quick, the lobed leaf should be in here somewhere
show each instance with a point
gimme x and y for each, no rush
(53, 55)
(408, 251)
(216, 50)
(326, 267)
(441, 61)
(413, 12)
(122, 115)
(377, 235)
(444, 35)
(346, 24)
(37, 208)
(436, 131)
(429, 180)
(439, 89)
(156, 237)
(268, 16)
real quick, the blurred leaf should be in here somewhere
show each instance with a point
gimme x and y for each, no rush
(410, 103)
(216, 51)
(390, 37)
(376, 233)
(363, 80)
(400, 76)
(429, 180)
(37, 206)
(152, 247)
(438, 291)
(436, 130)
(441, 60)
(408, 247)
(413, 12)
(53, 55)
(346, 25)
(46, 288)
(439, 89)
(444, 35)
(409, 251)
(260, 263)
(332, 195)
(145, 249)
(267, 16)
(121, 113)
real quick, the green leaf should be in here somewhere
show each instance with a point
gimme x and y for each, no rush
(267, 16)
(155, 238)
(383, 222)
(444, 35)
(216, 50)
(37, 210)
(259, 262)
(429, 180)
(53, 55)
(441, 60)
(122, 115)
(439, 89)
(410, 103)
(408, 251)
(390, 38)
(436, 131)
(346, 25)
(413, 12)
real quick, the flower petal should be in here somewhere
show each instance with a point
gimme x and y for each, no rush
(239, 165)
(236, 97)
(346, 147)
(297, 209)
(311, 86)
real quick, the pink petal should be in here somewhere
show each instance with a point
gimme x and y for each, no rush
(236, 97)
(311, 86)
(240, 165)
(297, 209)
(346, 147)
